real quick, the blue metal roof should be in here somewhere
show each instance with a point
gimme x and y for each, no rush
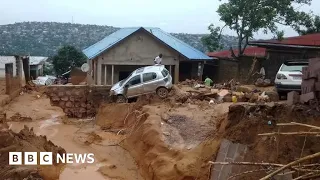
(178, 45)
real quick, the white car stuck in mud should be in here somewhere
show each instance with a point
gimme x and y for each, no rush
(145, 80)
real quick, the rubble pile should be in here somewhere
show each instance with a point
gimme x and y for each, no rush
(263, 82)
(273, 133)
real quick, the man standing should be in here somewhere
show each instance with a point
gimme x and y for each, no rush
(208, 81)
(158, 59)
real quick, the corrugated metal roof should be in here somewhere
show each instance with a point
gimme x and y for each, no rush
(178, 45)
(249, 51)
(35, 60)
(305, 40)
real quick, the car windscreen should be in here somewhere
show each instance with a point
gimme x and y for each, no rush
(293, 66)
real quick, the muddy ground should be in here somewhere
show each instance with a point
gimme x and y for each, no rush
(2, 86)
(243, 123)
(171, 139)
(169, 135)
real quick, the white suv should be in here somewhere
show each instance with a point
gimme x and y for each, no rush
(289, 77)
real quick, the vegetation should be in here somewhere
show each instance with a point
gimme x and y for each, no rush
(45, 38)
(67, 57)
(311, 26)
(247, 17)
(212, 41)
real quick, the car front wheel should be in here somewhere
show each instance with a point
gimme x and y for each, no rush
(121, 99)
(162, 92)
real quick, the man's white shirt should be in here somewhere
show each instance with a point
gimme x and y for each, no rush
(158, 60)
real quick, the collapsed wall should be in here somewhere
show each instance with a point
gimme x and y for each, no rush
(78, 100)
(26, 141)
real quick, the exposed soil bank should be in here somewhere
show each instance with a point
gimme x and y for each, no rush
(26, 141)
(76, 136)
(166, 143)
(244, 122)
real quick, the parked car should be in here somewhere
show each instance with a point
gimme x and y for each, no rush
(145, 80)
(289, 77)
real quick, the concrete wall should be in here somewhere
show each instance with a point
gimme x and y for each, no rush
(138, 49)
(228, 152)
(3, 61)
(78, 101)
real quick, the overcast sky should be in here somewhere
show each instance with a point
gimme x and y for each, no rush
(187, 16)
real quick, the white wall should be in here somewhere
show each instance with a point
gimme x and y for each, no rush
(3, 61)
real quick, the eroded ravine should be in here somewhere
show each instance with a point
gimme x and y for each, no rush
(113, 161)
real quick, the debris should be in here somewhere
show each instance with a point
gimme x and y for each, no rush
(263, 97)
(263, 82)
(211, 102)
(293, 97)
(304, 98)
(17, 117)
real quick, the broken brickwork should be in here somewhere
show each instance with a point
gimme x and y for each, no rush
(78, 101)
(310, 87)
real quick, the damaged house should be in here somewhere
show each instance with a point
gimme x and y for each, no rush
(117, 55)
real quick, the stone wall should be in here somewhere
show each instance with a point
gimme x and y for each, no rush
(78, 101)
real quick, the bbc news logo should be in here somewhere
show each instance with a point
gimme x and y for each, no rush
(46, 158)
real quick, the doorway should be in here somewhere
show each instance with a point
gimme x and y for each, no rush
(124, 74)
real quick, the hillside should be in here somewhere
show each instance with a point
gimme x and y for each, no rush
(44, 38)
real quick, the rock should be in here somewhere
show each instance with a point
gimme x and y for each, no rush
(165, 117)
(267, 82)
(166, 133)
(223, 92)
(214, 91)
(273, 95)
(259, 82)
(244, 89)
(65, 98)
(254, 98)
(227, 98)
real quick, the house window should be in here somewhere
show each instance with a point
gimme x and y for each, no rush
(135, 80)
(149, 76)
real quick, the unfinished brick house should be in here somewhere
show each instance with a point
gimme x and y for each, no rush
(226, 66)
(117, 55)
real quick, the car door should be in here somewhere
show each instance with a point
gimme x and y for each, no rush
(150, 83)
(134, 86)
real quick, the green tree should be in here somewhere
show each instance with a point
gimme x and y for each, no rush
(247, 17)
(67, 57)
(212, 41)
(310, 26)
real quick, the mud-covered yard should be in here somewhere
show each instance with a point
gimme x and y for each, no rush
(152, 139)
(178, 130)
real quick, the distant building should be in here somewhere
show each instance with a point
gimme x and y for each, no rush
(290, 48)
(3, 61)
(117, 55)
(37, 65)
